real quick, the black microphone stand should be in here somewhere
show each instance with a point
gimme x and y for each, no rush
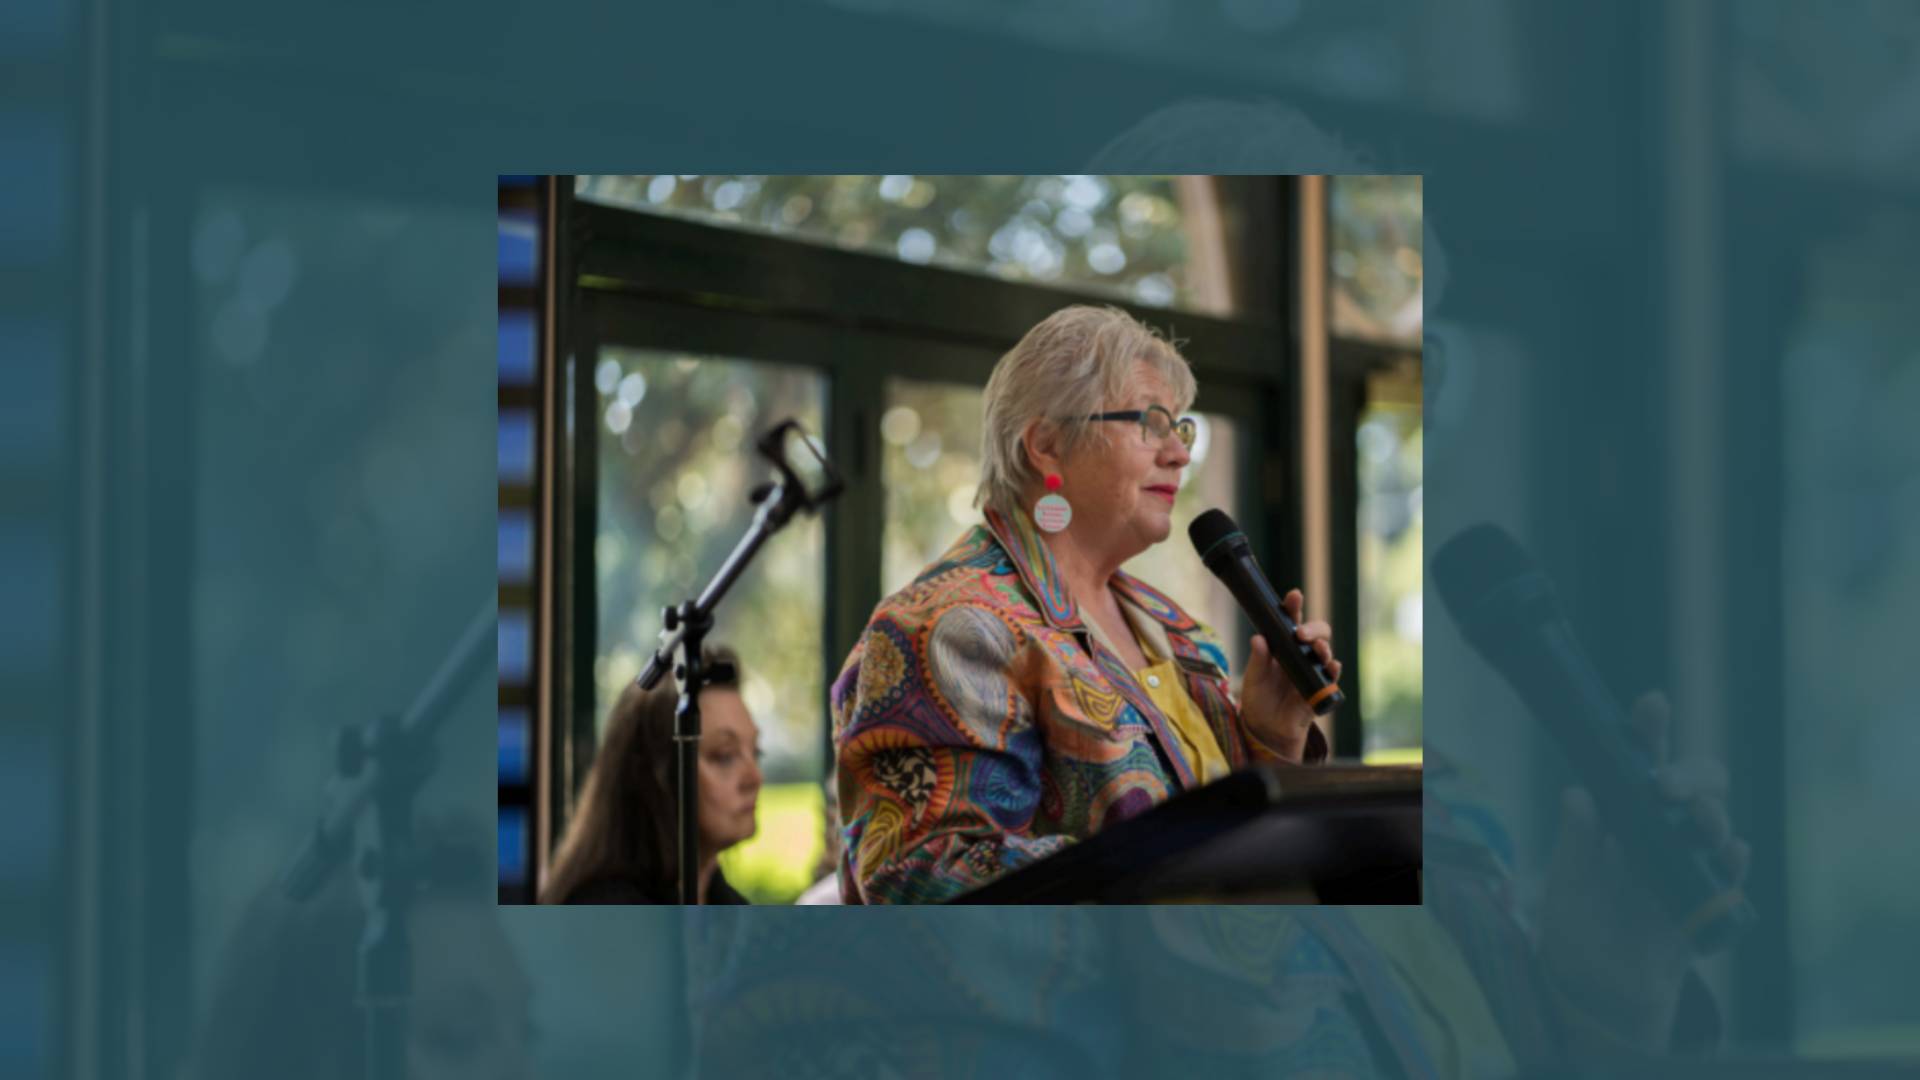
(383, 764)
(686, 625)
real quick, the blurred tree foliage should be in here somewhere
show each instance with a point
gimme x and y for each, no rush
(931, 467)
(1119, 235)
(1377, 270)
(676, 465)
(1377, 257)
(1391, 614)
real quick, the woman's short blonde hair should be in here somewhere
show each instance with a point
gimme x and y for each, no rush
(1078, 361)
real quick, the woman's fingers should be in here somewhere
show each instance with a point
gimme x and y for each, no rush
(1650, 719)
(1260, 662)
(1701, 784)
(1320, 635)
(1736, 857)
(1711, 816)
(1694, 778)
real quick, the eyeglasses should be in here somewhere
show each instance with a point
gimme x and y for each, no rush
(1156, 423)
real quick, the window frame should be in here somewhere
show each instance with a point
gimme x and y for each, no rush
(1351, 363)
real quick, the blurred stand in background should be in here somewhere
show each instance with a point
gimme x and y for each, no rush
(244, 444)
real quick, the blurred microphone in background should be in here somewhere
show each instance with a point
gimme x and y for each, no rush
(1646, 872)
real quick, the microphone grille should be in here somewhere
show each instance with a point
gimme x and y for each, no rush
(1209, 529)
(1469, 566)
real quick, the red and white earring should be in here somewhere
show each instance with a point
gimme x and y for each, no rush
(1053, 512)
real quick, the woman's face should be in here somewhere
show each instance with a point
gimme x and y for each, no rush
(729, 769)
(1121, 485)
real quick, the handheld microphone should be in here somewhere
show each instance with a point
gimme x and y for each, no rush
(1223, 547)
(1506, 609)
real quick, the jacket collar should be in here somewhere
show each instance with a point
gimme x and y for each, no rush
(1032, 558)
(1029, 555)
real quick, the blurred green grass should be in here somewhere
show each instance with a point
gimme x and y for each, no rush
(777, 865)
(1871, 1041)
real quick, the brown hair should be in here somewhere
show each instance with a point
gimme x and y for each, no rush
(623, 822)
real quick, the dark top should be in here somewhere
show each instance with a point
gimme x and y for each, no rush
(634, 891)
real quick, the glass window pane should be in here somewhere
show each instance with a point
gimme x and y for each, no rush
(677, 462)
(1376, 256)
(931, 467)
(519, 249)
(336, 501)
(1389, 457)
(516, 446)
(1161, 241)
(516, 546)
(513, 846)
(1849, 392)
(516, 646)
(515, 346)
(516, 744)
(1210, 482)
(1819, 93)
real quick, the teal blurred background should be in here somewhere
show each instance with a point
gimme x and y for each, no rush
(248, 301)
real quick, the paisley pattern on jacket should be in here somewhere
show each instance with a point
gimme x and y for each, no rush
(979, 725)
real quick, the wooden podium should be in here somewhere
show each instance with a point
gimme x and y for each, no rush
(1334, 834)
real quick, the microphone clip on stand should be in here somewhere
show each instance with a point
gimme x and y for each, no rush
(691, 622)
(806, 481)
(401, 761)
(382, 765)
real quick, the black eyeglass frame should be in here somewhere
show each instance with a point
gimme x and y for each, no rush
(1184, 427)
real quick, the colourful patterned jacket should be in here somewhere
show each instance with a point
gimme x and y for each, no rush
(979, 725)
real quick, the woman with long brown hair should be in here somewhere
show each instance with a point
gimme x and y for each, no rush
(620, 846)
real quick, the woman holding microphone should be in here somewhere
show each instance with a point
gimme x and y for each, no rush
(1024, 691)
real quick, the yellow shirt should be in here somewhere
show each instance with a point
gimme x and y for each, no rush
(1165, 684)
(1168, 690)
(1453, 1014)
(1456, 1022)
